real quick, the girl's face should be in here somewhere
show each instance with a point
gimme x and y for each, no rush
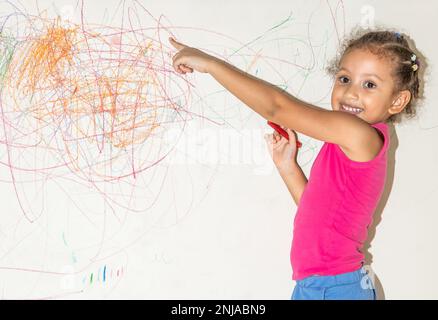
(364, 83)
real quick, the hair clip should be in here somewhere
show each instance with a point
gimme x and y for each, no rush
(415, 63)
(414, 67)
(398, 35)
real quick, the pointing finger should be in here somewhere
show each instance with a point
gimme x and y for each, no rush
(176, 44)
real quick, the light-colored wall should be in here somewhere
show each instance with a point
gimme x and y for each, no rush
(214, 226)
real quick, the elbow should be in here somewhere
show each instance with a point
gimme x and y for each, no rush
(274, 109)
(271, 114)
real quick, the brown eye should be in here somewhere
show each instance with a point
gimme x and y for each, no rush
(343, 79)
(369, 85)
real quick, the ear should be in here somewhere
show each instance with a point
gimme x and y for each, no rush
(400, 101)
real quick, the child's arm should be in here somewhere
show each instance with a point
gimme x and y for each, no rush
(276, 105)
(284, 154)
(295, 181)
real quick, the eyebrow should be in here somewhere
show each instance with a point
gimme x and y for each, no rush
(365, 74)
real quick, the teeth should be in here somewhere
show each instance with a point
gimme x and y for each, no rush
(351, 109)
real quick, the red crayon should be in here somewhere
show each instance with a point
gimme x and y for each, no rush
(283, 132)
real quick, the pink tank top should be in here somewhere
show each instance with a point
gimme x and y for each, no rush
(335, 210)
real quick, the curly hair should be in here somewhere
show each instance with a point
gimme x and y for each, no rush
(408, 63)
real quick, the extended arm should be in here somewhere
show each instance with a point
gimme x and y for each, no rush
(280, 107)
(277, 105)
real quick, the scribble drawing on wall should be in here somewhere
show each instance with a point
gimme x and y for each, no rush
(86, 109)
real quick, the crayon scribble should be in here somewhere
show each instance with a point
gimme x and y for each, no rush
(85, 108)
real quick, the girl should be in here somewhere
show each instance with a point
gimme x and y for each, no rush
(376, 80)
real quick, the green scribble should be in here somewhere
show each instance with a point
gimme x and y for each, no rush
(261, 36)
(7, 47)
(63, 238)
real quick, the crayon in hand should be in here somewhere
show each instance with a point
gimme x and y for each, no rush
(283, 132)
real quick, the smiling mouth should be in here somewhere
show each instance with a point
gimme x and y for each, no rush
(350, 109)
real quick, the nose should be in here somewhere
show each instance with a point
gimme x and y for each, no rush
(352, 92)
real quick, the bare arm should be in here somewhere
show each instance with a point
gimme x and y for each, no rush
(258, 94)
(284, 154)
(280, 107)
(295, 181)
(346, 130)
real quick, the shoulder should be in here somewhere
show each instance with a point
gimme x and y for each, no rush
(366, 148)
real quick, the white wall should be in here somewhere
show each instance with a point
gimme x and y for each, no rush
(216, 225)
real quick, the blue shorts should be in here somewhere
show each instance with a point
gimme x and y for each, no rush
(356, 285)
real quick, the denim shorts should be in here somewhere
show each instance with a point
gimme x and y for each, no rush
(356, 285)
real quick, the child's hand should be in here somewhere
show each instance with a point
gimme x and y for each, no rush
(188, 59)
(282, 151)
